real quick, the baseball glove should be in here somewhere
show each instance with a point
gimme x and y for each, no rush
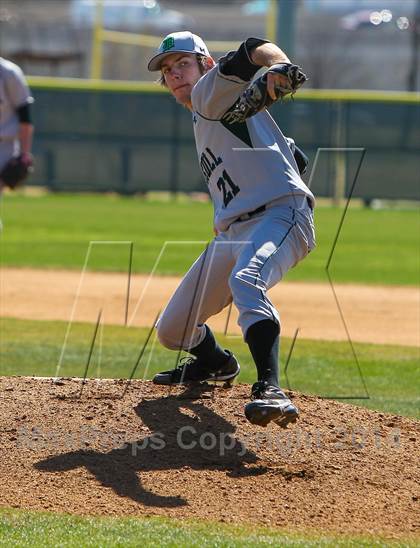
(256, 97)
(16, 171)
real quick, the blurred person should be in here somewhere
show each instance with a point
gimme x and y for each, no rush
(263, 219)
(16, 129)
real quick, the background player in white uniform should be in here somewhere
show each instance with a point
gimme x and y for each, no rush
(263, 220)
(16, 128)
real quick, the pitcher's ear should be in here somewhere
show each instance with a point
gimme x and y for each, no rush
(210, 62)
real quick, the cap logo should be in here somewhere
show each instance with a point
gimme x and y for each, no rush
(168, 43)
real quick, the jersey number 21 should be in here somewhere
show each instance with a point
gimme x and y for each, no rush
(228, 187)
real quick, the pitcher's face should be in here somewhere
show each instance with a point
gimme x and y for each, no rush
(181, 72)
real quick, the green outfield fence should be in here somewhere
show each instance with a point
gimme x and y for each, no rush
(132, 138)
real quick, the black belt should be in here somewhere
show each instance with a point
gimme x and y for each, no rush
(250, 214)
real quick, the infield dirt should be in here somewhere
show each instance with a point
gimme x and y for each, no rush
(373, 314)
(192, 454)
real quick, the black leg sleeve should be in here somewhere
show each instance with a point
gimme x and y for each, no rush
(209, 352)
(263, 341)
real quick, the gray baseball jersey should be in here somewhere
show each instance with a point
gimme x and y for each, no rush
(14, 93)
(245, 165)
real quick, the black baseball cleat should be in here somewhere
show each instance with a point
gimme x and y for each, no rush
(269, 403)
(191, 371)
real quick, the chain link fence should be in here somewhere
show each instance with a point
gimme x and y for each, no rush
(137, 140)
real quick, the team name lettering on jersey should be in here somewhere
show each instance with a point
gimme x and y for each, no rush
(208, 163)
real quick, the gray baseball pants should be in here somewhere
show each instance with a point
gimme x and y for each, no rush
(240, 264)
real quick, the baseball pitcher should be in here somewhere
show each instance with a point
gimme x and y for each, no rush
(263, 212)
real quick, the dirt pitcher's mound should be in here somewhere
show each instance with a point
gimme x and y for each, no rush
(192, 454)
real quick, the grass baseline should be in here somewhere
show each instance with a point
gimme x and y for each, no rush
(26, 528)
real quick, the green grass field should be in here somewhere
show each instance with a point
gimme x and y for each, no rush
(54, 231)
(325, 368)
(35, 529)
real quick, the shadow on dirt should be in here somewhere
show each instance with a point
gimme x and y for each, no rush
(185, 434)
